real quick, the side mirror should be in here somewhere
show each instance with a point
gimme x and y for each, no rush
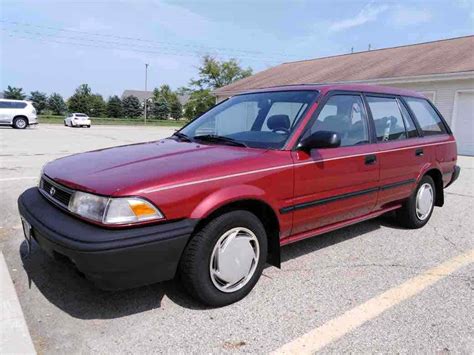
(321, 139)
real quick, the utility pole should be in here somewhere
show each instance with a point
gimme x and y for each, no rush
(146, 97)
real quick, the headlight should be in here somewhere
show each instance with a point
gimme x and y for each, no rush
(108, 210)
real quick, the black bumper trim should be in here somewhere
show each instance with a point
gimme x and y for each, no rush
(112, 258)
(456, 172)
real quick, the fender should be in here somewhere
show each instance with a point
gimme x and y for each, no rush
(439, 185)
(228, 195)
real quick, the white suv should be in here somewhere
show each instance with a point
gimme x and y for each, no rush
(17, 113)
(77, 120)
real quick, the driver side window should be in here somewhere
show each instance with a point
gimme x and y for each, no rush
(343, 114)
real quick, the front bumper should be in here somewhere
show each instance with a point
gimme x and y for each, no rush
(111, 258)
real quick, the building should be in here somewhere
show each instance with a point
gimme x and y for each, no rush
(142, 95)
(442, 70)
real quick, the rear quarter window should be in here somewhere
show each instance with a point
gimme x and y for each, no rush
(428, 119)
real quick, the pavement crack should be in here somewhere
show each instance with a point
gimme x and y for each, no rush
(456, 194)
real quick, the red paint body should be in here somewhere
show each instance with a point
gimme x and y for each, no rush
(189, 180)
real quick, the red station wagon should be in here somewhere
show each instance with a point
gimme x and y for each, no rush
(217, 200)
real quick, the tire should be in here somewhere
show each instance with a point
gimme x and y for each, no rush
(65, 123)
(197, 265)
(20, 123)
(408, 216)
(89, 126)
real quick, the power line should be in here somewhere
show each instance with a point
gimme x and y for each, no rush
(71, 41)
(192, 47)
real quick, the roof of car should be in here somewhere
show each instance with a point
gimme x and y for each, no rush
(27, 101)
(323, 88)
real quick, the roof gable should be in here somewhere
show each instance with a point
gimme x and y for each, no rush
(439, 57)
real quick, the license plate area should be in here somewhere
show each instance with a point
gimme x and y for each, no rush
(28, 234)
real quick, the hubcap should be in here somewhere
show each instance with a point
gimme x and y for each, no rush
(234, 259)
(21, 123)
(424, 201)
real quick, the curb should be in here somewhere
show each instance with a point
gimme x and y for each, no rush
(14, 335)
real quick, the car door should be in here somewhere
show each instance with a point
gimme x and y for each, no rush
(336, 184)
(5, 112)
(398, 143)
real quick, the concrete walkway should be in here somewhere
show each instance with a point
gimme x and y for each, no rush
(14, 335)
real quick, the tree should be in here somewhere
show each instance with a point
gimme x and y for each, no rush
(174, 106)
(114, 107)
(131, 106)
(214, 74)
(160, 108)
(14, 93)
(176, 109)
(81, 101)
(40, 100)
(199, 102)
(97, 107)
(56, 104)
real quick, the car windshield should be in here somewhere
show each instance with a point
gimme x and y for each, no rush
(80, 115)
(260, 120)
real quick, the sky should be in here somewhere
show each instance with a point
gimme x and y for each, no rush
(54, 46)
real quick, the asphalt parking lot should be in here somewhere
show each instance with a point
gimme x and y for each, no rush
(321, 278)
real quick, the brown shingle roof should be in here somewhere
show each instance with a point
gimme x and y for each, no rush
(439, 57)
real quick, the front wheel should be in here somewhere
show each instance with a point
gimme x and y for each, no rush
(224, 260)
(417, 210)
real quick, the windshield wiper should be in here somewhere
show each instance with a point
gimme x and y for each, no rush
(182, 136)
(220, 139)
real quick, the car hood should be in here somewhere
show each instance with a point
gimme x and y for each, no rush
(132, 168)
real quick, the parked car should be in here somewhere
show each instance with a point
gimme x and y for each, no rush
(17, 113)
(77, 120)
(218, 199)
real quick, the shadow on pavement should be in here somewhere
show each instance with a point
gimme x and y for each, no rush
(61, 283)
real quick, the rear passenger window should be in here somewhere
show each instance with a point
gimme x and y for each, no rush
(4, 104)
(343, 114)
(409, 124)
(429, 121)
(18, 104)
(388, 119)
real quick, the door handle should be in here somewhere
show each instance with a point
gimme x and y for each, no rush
(370, 159)
(419, 152)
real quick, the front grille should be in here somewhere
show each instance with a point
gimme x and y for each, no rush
(55, 192)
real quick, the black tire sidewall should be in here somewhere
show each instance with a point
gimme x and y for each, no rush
(202, 285)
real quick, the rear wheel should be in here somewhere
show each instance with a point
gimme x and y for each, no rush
(224, 260)
(20, 123)
(417, 210)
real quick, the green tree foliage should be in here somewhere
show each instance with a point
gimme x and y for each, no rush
(56, 104)
(160, 108)
(176, 109)
(199, 102)
(81, 101)
(40, 100)
(14, 93)
(214, 74)
(131, 107)
(114, 107)
(97, 105)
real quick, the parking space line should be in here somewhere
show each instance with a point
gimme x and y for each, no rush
(337, 327)
(19, 178)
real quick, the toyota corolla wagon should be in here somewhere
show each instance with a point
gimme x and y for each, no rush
(217, 200)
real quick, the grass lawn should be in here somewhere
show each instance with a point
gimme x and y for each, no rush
(115, 121)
